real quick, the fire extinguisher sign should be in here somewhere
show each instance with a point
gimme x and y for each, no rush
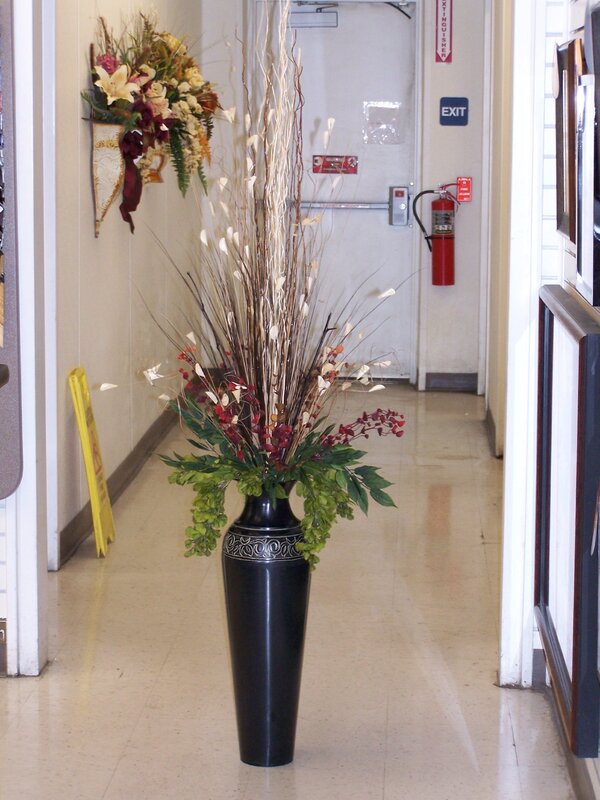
(443, 31)
(464, 190)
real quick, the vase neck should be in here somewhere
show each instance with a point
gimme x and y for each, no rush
(263, 512)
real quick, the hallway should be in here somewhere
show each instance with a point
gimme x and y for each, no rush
(398, 699)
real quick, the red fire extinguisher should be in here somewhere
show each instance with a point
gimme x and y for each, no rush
(441, 239)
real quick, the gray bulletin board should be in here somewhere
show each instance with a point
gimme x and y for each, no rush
(11, 459)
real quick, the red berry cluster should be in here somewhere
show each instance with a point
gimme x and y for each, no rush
(233, 416)
(276, 441)
(188, 356)
(384, 423)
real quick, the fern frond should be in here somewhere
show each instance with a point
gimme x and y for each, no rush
(178, 159)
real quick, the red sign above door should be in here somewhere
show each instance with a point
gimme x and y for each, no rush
(335, 165)
(443, 31)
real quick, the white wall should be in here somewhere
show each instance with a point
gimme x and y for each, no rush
(450, 315)
(533, 259)
(102, 324)
(554, 17)
(552, 242)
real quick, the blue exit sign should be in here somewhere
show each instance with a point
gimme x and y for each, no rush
(454, 111)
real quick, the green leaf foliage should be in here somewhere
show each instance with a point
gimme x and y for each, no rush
(382, 498)
(324, 501)
(208, 511)
(331, 481)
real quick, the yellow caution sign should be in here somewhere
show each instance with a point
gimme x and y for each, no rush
(102, 517)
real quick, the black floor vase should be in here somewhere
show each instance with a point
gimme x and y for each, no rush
(266, 594)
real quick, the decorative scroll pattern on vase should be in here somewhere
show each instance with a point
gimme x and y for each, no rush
(108, 167)
(261, 548)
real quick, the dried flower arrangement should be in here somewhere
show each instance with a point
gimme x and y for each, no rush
(264, 360)
(146, 81)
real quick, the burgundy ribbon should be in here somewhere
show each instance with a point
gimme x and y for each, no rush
(134, 144)
(131, 147)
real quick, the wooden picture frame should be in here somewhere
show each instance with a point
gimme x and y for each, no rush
(568, 67)
(572, 669)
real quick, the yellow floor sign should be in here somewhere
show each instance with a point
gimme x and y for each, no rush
(102, 517)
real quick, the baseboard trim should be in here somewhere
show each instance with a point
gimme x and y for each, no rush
(591, 778)
(579, 768)
(80, 527)
(451, 382)
(490, 428)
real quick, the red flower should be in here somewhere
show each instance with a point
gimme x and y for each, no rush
(145, 111)
(109, 62)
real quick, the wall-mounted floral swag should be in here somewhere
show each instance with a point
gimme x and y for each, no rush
(148, 103)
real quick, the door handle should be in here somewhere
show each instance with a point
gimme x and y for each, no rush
(3, 374)
(317, 204)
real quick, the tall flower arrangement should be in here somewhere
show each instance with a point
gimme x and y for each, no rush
(146, 80)
(267, 353)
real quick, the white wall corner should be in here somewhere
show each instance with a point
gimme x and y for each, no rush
(26, 510)
(517, 613)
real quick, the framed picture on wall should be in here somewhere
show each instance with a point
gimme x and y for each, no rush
(568, 476)
(568, 68)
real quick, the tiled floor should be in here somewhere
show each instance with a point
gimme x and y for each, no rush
(398, 699)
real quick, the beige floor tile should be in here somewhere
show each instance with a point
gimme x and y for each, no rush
(398, 700)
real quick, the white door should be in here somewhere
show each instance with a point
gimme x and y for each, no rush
(362, 74)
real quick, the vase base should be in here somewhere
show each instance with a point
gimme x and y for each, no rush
(266, 763)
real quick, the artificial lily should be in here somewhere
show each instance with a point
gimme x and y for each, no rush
(116, 86)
